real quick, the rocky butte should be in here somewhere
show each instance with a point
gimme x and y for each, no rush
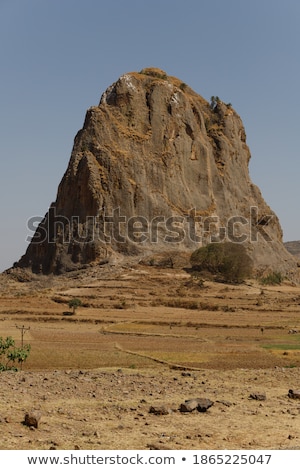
(155, 169)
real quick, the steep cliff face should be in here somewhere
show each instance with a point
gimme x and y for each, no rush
(155, 168)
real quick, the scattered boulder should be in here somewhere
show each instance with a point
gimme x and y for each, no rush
(199, 404)
(159, 410)
(294, 394)
(32, 419)
(186, 374)
(188, 406)
(258, 396)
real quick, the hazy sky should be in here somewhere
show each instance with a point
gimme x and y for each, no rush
(58, 56)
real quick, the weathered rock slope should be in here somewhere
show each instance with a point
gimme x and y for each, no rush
(155, 168)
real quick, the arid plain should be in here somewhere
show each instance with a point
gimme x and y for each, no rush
(150, 337)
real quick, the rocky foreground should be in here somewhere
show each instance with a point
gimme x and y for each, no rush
(146, 409)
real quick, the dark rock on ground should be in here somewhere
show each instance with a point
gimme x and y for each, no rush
(258, 396)
(199, 404)
(159, 410)
(32, 419)
(294, 394)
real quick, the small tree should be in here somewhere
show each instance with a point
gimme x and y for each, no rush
(9, 354)
(214, 100)
(228, 261)
(74, 304)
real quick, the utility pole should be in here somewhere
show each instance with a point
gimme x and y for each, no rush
(23, 331)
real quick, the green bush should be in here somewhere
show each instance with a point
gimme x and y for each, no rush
(74, 304)
(272, 279)
(9, 354)
(227, 261)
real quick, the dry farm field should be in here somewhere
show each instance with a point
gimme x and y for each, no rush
(151, 337)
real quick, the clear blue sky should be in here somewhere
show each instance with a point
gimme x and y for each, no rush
(58, 56)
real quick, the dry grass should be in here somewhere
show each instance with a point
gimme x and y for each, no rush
(94, 375)
(140, 309)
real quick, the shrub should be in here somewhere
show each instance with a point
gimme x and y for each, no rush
(74, 304)
(214, 100)
(272, 278)
(154, 72)
(227, 261)
(178, 303)
(9, 354)
(121, 305)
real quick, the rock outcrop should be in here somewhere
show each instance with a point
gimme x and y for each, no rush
(155, 168)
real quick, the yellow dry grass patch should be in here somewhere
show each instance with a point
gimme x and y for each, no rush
(139, 309)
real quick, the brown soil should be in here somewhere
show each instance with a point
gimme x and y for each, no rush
(148, 336)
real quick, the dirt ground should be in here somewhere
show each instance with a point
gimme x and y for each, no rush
(146, 336)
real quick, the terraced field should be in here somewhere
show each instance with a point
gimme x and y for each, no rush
(141, 316)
